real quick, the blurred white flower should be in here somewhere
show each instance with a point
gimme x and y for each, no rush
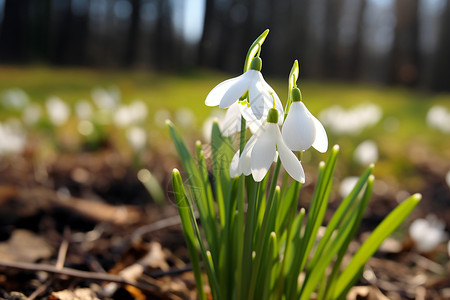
(261, 150)
(366, 153)
(260, 94)
(106, 99)
(427, 233)
(302, 130)
(137, 137)
(351, 121)
(15, 98)
(85, 127)
(134, 113)
(347, 185)
(439, 117)
(185, 117)
(58, 111)
(12, 137)
(31, 114)
(83, 110)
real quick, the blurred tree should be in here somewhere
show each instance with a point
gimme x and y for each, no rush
(404, 66)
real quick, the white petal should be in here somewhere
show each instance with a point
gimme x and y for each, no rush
(263, 152)
(321, 141)
(234, 170)
(299, 130)
(244, 166)
(216, 94)
(278, 104)
(257, 96)
(290, 162)
(236, 90)
(232, 122)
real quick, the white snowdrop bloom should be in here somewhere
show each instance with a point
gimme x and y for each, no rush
(260, 94)
(261, 150)
(58, 111)
(137, 137)
(301, 129)
(439, 117)
(15, 98)
(85, 127)
(353, 120)
(185, 117)
(106, 99)
(366, 153)
(31, 114)
(347, 185)
(83, 109)
(232, 121)
(427, 233)
(160, 117)
(138, 110)
(123, 116)
(12, 137)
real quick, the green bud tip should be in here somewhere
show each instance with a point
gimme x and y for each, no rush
(296, 94)
(256, 64)
(272, 116)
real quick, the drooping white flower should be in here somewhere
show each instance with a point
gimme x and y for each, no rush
(137, 137)
(261, 150)
(58, 111)
(260, 94)
(301, 129)
(366, 153)
(427, 233)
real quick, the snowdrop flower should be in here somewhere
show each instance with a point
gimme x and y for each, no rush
(261, 150)
(58, 111)
(427, 233)
(137, 137)
(232, 121)
(249, 85)
(185, 117)
(347, 185)
(15, 98)
(366, 153)
(438, 117)
(301, 129)
(12, 137)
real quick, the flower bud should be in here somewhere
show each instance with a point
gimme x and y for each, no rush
(256, 64)
(272, 116)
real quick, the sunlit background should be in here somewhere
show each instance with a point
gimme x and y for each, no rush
(87, 85)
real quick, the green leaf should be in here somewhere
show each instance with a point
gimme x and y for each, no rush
(254, 49)
(192, 244)
(370, 246)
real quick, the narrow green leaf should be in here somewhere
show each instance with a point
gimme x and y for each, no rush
(370, 246)
(192, 244)
(254, 49)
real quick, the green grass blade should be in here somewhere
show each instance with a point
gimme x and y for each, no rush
(368, 248)
(192, 244)
(339, 215)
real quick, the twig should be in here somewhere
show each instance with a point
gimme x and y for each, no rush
(41, 289)
(62, 252)
(151, 287)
